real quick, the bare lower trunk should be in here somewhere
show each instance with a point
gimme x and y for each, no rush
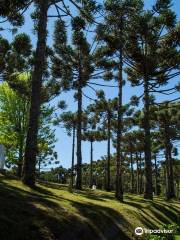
(39, 166)
(165, 180)
(108, 187)
(132, 173)
(91, 165)
(137, 170)
(72, 163)
(141, 174)
(170, 193)
(119, 189)
(19, 170)
(156, 176)
(148, 190)
(28, 177)
(79, 139)
(20, 161)
(177, 187)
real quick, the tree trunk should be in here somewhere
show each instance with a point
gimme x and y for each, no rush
(132, 173)
(170, 193)
(156, 176)
(39, 62)
(141, 175)
(108, 187)
(119, 189)
(39, 166)
(165, 179)
(72, 163)
(177, 189)
(91, 165)
(137, 170)
(20, 159)
(148, 190)
(19, 169)
(79, 136)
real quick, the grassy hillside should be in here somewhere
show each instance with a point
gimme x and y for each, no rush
(53, 213)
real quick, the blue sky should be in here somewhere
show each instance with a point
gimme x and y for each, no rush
(63, 145)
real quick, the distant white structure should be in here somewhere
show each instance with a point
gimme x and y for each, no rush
(2, 156)
(93, 187)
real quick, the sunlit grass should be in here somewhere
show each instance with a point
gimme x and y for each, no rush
(52, 212)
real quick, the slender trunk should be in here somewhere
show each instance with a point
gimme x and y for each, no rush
(20, 160)
(165, 179)
(119, 189)
(177, 189)
(19, 169)
(137, 170)
(141, 175)
(169, 166)
(29, 166)
(132, 173)
(91, 165)
(79, 136)
(72, 163)
(156, 176)
(39, 166)
(148, 190)
(108, 187)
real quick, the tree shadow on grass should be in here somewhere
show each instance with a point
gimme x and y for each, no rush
(107, 196)
(26, 216)
(167, 211)
(93, 195)
(137, 199)
(53, 185)
(88, 193)
(37, 215)
(30, 216)
(161, 213)
(109, 223)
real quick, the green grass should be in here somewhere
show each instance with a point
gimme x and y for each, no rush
(52, 213)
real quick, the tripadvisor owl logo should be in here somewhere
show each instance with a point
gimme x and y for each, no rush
(138, 231)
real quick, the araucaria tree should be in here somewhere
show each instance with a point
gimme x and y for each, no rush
(113, 34)
(73, 66)
(167, 118)
(153, 59)
(104, 110)
(39, 61)
(92, 133)
(69, 121)
(37, 78)
(126, 42)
